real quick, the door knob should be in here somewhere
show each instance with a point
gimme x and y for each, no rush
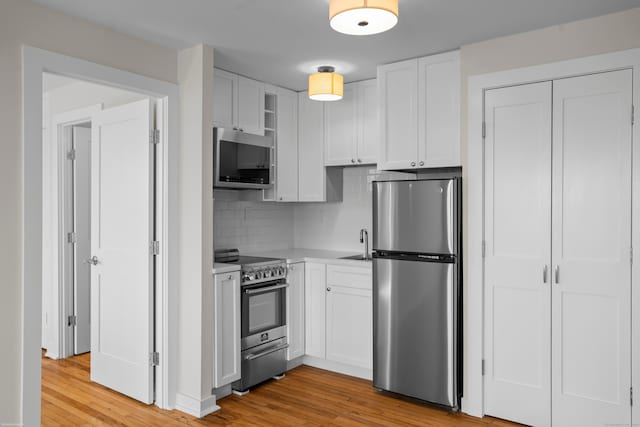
(93, 260)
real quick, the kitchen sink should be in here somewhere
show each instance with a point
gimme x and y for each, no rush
(359, 257)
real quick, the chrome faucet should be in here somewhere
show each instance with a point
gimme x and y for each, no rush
(364, 238)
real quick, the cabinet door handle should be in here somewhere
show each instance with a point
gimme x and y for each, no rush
(328, 289)
(353, 160)
(413, 163)
(230, 277)
(544, 273)
(421, 163)
(557, 274)
(359, 160)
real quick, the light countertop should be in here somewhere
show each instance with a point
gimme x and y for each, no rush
(219, 268)
(313, 255)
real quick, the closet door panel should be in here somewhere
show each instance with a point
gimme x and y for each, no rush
(518, 247)
(591, 296)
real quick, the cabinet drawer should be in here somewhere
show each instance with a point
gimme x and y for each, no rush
(352, 277)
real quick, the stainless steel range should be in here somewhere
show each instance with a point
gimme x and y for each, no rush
(263, 339)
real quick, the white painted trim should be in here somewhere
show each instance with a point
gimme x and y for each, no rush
(341, 368)
(35, 62)
(196, 407)
(473, 401)
(63, 346)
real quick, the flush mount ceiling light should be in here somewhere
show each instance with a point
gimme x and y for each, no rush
(363, 17)
(325, 85)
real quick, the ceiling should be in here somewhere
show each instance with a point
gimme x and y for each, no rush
(281, 41)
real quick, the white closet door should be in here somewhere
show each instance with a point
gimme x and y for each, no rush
(591, 242)
(121, 235)
(517, 235)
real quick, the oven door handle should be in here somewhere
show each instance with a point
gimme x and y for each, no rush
(267, 289)
(266, 352)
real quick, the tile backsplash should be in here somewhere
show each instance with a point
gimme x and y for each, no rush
(254, 226)
(251, 226)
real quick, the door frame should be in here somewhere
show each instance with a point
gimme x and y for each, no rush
(61, 338)
(35, 62)
(473, 400)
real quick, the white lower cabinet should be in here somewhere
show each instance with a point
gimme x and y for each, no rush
(339, 314)
(226, 330)
(295, 310)
(315, 279)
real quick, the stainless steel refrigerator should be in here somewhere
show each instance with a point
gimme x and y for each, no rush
(417, 289)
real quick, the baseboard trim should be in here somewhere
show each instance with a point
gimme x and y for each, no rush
(195, 407)
(341, 368)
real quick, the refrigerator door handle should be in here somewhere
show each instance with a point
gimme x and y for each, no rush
(544, 273)
(557, 274)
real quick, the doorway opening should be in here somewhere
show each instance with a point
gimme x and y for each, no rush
(117, 162)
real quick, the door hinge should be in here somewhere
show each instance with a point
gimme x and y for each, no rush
(154, 136)
(484, 129)
(72, 237)
(154, 358)
(71, 154)
(72, 320)
(483, 367)
(155, 248)
(484, 248)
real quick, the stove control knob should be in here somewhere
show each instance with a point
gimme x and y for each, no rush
(282, 271)
(245, 277)
(267, 273)
(259, 275)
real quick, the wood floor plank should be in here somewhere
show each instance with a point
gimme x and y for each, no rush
(305, 397)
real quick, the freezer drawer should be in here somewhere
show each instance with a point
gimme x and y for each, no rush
(416, 216)
(415, 329)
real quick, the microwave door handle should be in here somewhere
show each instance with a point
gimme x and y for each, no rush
(266, 352)
(267, 289)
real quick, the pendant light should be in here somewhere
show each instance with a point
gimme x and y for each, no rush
(363, 17)
(325, 85)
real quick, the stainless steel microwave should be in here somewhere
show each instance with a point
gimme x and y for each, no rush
(242, 160)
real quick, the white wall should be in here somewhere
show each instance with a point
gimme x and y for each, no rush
(249, 225)
(60, 100)
(336, 226)
(195, 312)
(24, 23)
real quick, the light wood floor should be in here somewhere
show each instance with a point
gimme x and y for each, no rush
(306, 396)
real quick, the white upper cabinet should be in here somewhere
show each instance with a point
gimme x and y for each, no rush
(250, 106)
(225, 99)
(341, 129)
(420, 113)
(351, 126)
(398, 94)
(238, 102)
(316, 182)
(439, 110)
(287, 145)
(368, 125)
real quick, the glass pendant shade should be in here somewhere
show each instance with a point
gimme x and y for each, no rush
(326, 85)
(363, 17)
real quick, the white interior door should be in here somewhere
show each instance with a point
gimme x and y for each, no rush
(82, 227)
(121, 235)
(517, 238)
(591, 249)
